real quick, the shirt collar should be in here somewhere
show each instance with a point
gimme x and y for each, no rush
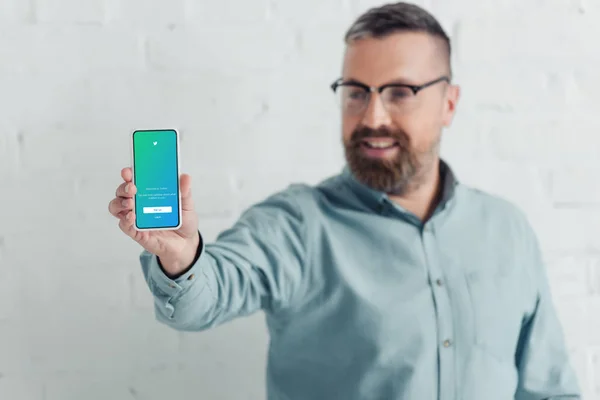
(376, 198)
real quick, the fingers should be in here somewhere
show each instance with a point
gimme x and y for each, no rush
(123, 201)
(120, 206)
(126, 189)
(185, 183)
(126, 224)
(127, 174)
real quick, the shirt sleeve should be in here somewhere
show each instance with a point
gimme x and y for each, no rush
(257, 264)
(545, 370)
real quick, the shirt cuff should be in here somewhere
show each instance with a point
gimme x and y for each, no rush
(172, 287)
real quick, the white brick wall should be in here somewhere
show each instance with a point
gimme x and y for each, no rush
(247, 84)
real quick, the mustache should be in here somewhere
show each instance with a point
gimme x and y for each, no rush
(363, 132)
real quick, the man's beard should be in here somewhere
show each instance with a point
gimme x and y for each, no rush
(394, 176)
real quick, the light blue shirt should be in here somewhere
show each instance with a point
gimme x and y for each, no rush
(363, 301)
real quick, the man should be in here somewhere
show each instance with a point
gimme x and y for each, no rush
(390, 280)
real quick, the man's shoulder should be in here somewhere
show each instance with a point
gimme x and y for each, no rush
(300, 195)
(484, 198)
(306, 195)
(492, 206)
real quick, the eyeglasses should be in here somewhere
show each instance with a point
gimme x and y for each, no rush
(354, 97)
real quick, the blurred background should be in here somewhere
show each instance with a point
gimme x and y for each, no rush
(246, 82)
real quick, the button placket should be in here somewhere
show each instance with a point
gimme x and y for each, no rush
(443, 306)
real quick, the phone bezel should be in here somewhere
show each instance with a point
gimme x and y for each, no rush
(132, 155)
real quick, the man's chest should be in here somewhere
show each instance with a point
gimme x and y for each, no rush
(398, 289)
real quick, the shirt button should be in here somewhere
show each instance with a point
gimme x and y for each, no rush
(439, 282)
(191, 277)
(171, 286)
(447, 343)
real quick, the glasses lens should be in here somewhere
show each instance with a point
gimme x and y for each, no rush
(398, 99)
(352, 98)
(398, 96)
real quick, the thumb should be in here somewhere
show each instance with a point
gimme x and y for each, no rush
(185, 182)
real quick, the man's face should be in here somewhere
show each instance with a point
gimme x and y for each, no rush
(392, 143)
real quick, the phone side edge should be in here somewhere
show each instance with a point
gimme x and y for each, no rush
(132, 166)
(180, 211)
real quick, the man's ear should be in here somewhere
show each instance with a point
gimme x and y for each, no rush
(451, 102)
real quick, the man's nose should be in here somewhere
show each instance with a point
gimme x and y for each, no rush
(376, 115)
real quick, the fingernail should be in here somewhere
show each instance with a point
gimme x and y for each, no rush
(129, 216)
(124, 202)
(126, 188)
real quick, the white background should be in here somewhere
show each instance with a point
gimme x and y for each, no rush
(247, 84)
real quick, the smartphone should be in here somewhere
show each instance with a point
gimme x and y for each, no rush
(155, 166)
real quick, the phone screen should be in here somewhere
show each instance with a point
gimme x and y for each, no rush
(156, 177)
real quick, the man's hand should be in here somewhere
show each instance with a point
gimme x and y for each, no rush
(176, 249)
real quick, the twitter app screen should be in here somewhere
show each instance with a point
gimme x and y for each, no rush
(156, 177)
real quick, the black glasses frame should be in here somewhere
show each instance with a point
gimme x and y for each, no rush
(415, 88)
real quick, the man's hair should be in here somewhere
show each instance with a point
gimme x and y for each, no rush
(398, 17)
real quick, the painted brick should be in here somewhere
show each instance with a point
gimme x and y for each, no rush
(16, 353)
(569, 230)
(581, 359)
(593, 322)
(595, 375)
(574, 317)
(564, 139)
(16, 11)
(255, 12)
(569, 276)
(198, 355)
(9, 152)
(256, 47)
(521, 87)
(492, 8)
(555, 36)
(22, 388)
(99, 341)
(145, 14)
(571, 186)
(11, 295)
(70, 11)
(594, 266)
(89, 386)
(68, 50)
